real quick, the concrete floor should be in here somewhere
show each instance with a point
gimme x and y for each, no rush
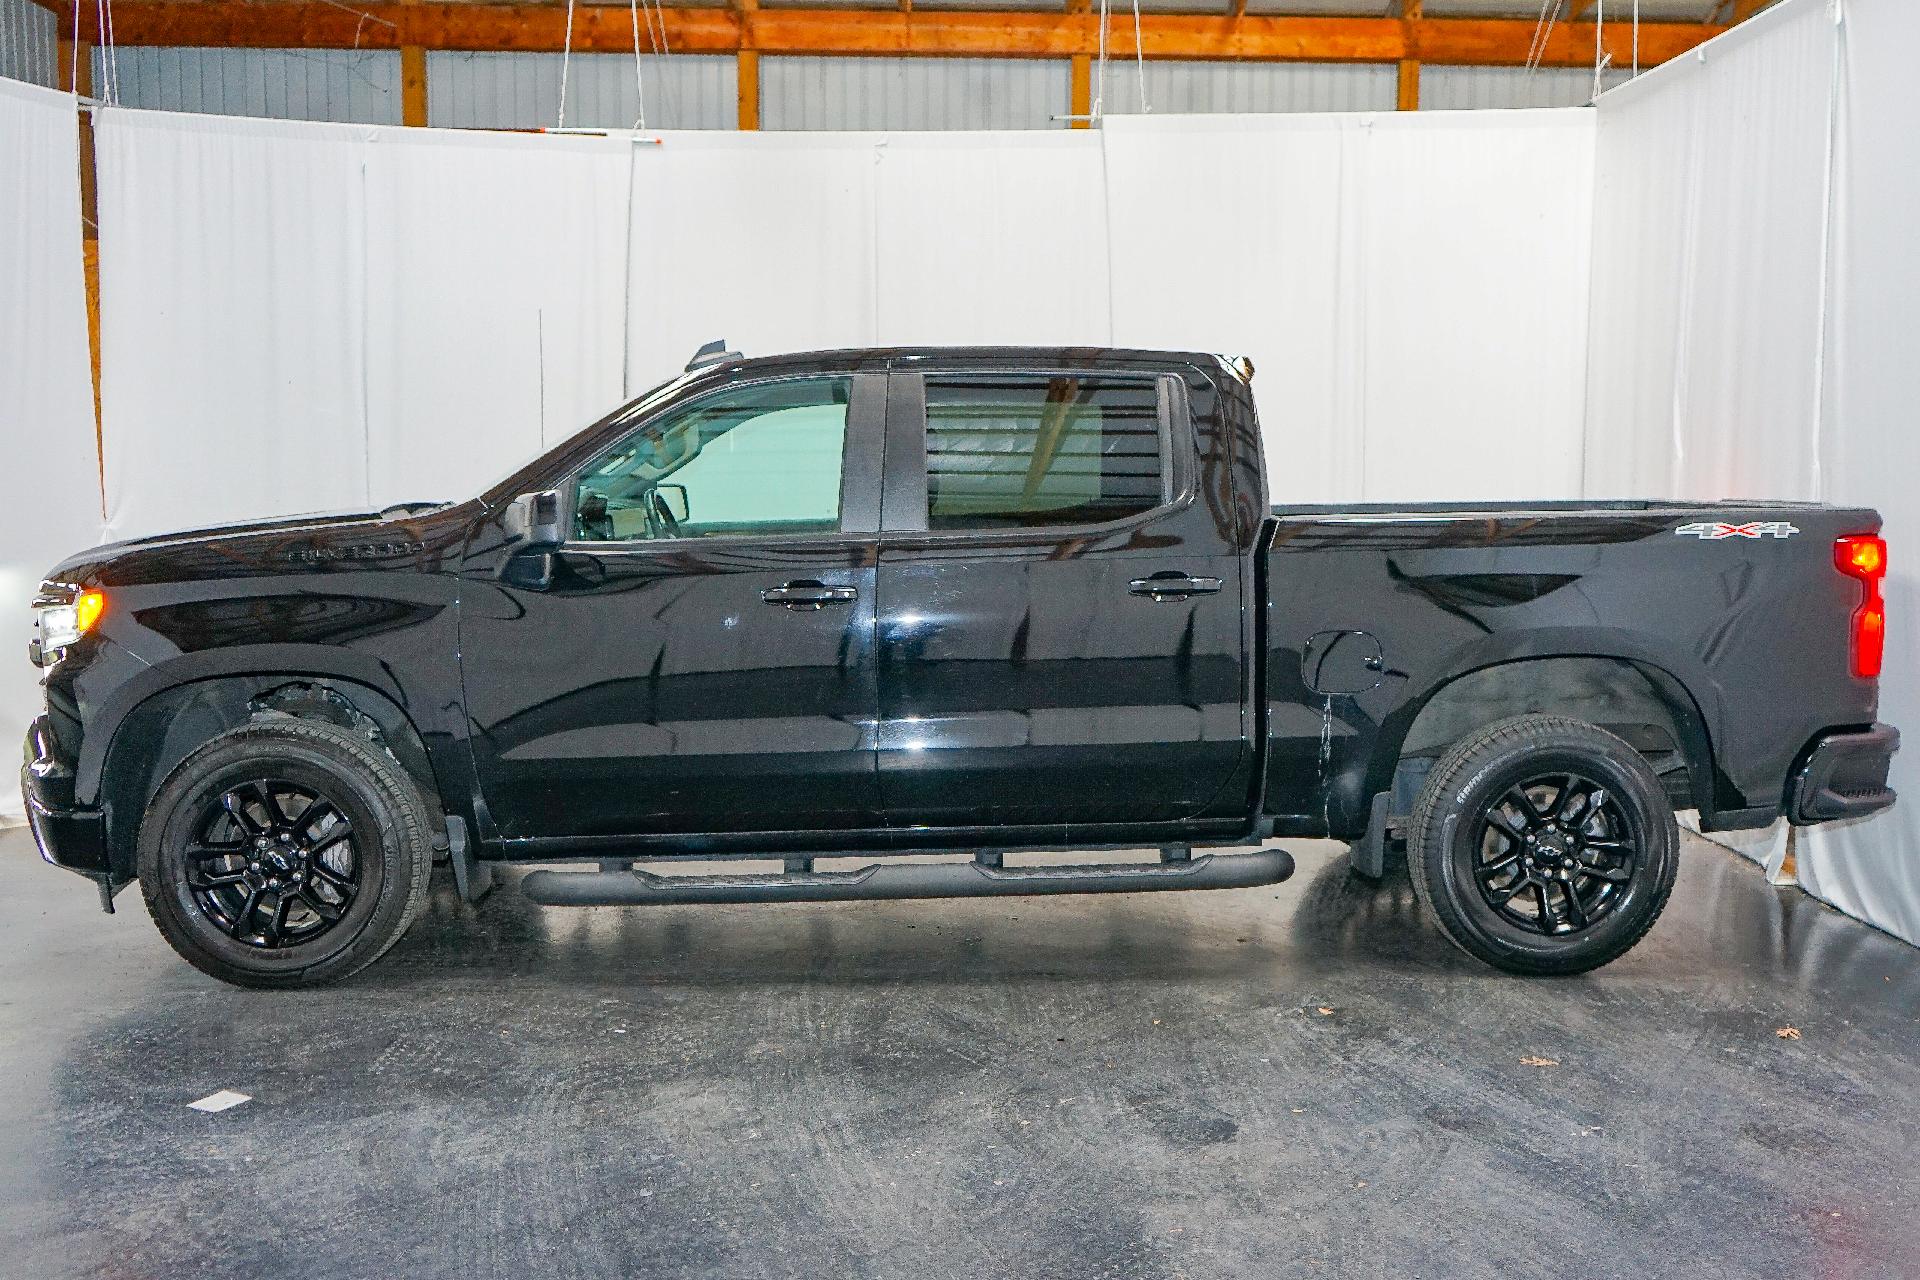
(1297, 1081)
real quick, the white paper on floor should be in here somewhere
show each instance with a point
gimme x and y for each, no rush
(220, 1101)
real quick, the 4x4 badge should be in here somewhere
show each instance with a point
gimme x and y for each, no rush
(1714, 530)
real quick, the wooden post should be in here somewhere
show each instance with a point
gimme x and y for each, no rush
(413, 72)
(1407, 96)
(1080, 79)
(746, 68)
(413, 85)
(75, 69)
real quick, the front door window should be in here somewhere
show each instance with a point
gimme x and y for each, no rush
(756, 461)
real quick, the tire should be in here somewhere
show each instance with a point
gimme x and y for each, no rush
(1600, 866)
(253, 886)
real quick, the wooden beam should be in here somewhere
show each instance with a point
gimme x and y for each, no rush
(315, 24)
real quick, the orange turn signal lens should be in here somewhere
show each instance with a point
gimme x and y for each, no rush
(88, 608)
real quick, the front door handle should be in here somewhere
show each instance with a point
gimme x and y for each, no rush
(1173, 586)
(807, 595)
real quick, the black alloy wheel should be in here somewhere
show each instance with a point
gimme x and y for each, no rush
(273, 864)
(1555, 853)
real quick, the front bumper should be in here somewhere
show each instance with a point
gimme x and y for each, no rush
(69, 836)
(1843, 776)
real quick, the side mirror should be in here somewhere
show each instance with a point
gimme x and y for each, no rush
(534, 521)
(675, 496)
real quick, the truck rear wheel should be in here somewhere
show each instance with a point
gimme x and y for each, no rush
(1543, 845)
(285, 853)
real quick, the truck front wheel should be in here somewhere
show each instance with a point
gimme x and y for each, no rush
(285, 853)
(1543, 845)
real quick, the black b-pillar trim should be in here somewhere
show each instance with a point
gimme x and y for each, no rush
(903, 504)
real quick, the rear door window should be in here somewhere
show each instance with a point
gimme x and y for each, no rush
(1019, 451)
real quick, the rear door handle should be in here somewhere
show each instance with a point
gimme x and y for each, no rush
(807, 595)
(1173, 586)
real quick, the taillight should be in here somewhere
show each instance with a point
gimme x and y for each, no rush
(1865, 557)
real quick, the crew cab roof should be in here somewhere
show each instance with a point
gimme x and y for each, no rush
(855, 359)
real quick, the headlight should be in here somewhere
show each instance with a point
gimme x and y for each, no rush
(59, 625)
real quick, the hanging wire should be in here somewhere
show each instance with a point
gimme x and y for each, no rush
(660, 12)
(1140, 59)
(1549, 10)
(74, 70)
(639, 85)
(566, 56)
(670, 96)
(1599, 54)
(103, 91)
(1100, 76)
(1636, 38)
(113, 60)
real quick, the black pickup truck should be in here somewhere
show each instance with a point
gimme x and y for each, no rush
(970, 601)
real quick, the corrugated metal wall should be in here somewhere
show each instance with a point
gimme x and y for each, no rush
(522, 91)
(1461, 88)
(357, 86)
(1251, 86)
(912, 93)
(27, 42)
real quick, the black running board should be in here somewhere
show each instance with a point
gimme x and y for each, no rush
(977, 879)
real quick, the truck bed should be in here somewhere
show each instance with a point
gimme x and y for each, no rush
(1727, 621)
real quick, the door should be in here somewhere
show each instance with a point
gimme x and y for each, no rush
(698, 657)
(1060, 623)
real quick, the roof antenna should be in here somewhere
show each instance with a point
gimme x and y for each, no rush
(713, 353)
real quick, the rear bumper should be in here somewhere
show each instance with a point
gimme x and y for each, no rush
(69, 836)
(1844, 776)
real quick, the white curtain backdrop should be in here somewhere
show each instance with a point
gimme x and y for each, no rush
(1412, 288)
(1755, 295)
(1870, 449)
(46, 387)
(1710, 194)
(306, 317)
(765, 240)
(790, 241)
(496, 286)
(992, 238)
(430, 305)
(232, 318)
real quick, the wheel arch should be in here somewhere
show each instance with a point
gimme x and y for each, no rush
(1639, 700)
(152, 735)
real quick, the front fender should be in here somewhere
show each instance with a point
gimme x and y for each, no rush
(272, 661)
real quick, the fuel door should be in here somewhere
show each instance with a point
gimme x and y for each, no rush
(1336, 663)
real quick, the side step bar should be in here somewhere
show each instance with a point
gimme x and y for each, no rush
(980, 878)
